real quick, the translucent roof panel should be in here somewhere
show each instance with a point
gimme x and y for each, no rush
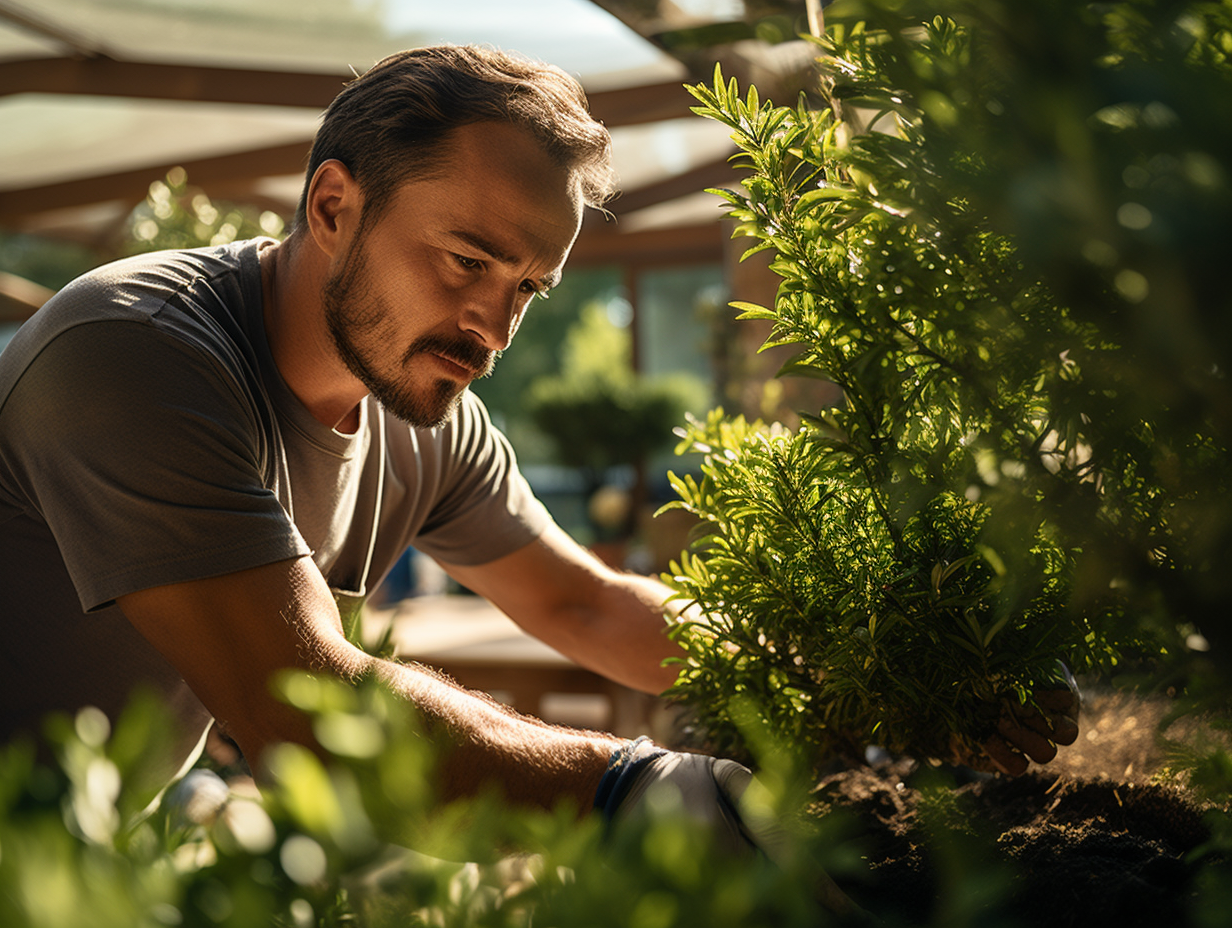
(20, 43)
(646, 153)
(58, 138)
(321, 35)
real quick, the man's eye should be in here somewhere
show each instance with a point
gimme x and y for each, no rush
(470, 263)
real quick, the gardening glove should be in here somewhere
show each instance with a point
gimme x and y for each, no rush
(707, 789)
(1023, 732)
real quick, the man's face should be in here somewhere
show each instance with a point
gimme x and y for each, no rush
(421, 304)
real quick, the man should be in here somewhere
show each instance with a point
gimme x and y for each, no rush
(200, 451)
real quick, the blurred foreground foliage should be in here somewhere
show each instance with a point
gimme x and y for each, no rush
(360, 840)
(1001, 230)
(313, 848)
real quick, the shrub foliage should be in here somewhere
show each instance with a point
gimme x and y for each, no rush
(976, 226)
(1001, 233)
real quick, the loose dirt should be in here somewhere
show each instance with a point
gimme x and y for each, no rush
(1097, 837)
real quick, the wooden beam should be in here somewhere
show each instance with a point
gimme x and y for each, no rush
(108, 77)
(242, 169)
(133, 185)
(70, 40)
(20, 298)
(601, 244)
(226, 176)
(713, 174)
(101, 76)
(633, 106)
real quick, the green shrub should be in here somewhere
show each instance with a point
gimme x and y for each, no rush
(978, 230)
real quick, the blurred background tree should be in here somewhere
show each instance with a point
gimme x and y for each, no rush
(539, 344)
(50, 264)
(177, 215)
(600, 416)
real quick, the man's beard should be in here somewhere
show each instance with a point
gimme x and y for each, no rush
(358, 322)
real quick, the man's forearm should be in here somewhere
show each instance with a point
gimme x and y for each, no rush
(484, 743)
(630, 634)
(230, 636)
(610, 622)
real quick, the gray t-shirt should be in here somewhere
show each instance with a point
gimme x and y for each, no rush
(147, 438)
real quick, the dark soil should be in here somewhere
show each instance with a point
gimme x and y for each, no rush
(1097, 837)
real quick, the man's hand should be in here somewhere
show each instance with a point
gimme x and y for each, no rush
(706, 789)
(1024, 733)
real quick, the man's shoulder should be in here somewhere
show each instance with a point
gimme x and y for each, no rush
(202, 296)
(140, 286)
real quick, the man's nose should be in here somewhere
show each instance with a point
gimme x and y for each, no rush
(494, 318)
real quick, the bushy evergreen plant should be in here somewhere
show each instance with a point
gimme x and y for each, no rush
(979, 222)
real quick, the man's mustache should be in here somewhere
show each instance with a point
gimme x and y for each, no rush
(464, 352)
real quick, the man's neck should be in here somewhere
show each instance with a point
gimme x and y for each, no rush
(292, 276)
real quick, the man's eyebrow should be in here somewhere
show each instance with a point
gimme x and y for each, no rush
(498, 254)
(486, 245)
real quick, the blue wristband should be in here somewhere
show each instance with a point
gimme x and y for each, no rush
(622, 770)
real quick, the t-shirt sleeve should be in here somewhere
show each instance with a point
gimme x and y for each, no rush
(484, 509)
(146, 460)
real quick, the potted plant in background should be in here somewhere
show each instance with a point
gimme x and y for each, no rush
(602, 416)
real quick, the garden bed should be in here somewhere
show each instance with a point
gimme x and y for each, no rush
(1091, 839)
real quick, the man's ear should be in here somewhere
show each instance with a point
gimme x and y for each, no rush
(333, 207)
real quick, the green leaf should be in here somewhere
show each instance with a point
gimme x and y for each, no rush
(993, 629)
(965, 644)
(823, 194)
(761, 246)
(752, 310)
(802, 365)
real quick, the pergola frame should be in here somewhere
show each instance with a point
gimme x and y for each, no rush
(90, 71)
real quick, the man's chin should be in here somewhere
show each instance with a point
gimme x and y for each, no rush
(424, 412)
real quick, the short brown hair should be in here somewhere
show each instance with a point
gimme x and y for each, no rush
(395, 119)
